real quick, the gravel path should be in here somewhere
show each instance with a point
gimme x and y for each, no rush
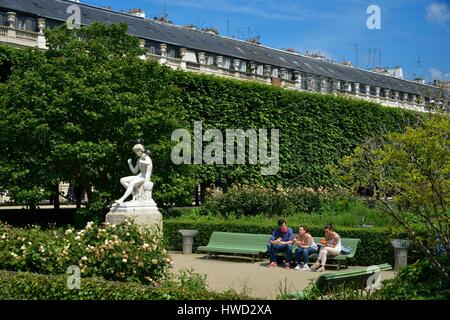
(242, 275)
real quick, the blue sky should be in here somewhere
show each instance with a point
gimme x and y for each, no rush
(410, 29)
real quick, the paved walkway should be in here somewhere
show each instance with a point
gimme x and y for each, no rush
(242, 275)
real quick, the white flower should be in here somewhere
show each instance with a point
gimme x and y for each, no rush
(89, 225)
(29, 243)
(124, 260)
(68, 231)
(41, 249)
(154, 261)
(77, 238)
(3, 236)
(84, 258)
(106, 241)
(145, 245)
(23, 247)
(13, 254)
(113, 226)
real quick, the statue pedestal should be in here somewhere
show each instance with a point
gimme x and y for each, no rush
(145, 213)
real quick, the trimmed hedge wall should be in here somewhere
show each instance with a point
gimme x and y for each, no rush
(375, 246)
(316, 130)
(32, 286)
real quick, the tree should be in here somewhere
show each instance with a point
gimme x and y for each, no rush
(410, 173)
(75, 116)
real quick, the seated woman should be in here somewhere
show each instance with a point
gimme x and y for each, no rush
(306, 246)
(331, 246)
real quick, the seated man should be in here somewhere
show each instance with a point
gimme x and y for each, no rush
(281, 241)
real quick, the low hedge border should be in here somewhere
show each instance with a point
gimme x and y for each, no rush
(32, 286)
(375, 246)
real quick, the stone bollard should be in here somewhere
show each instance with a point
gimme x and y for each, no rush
(188, 240)
(400, 252)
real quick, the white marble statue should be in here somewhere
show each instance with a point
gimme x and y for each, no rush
(138, 185)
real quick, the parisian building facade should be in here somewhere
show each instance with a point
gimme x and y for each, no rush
(184, 47)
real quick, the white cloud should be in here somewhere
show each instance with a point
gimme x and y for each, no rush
(438, 12)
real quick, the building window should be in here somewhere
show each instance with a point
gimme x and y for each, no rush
(209, 60)
(153, 47)
(26, 24)
(3, 19)
(243, 66)
(304, 81)
(226, 63)
(50, 24)
(318, 83)
(171, 53)
(260, 69)
(275, 73)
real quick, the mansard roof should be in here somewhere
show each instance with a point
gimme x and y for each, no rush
(220, 45)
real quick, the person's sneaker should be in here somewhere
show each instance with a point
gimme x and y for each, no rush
(321, 269)
(298, 267)
(272, 265)
(306, 267)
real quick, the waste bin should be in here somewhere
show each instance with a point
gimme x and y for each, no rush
(188, 240)
(400, 252)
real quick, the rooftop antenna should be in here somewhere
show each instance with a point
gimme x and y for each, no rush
(165, 11)
(228, 27)
(379, 52)
(356, 53)
(419, 65)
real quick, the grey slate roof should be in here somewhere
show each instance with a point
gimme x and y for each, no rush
(176, 35)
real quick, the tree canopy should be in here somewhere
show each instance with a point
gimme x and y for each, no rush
(75, 114)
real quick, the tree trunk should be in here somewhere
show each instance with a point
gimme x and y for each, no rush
(56, 204)
(78, 195)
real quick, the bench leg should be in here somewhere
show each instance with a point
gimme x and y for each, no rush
(339, 264)
(253, 258)
(209, 255)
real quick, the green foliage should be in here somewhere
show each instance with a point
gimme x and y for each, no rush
(72, 113)
(410, 173)
(375, 246)
(119, 253)
(29, 286)
(75, 115)
(316, 205)
(315, 130)
(418, 281)
(249, 200)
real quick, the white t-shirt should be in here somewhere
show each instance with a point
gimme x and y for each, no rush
(338, 244)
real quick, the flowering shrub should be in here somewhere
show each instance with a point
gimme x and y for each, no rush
(256, 200)
(124, 252)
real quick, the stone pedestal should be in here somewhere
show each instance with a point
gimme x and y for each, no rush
(145, 213)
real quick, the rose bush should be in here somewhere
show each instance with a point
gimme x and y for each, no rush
(124, 252)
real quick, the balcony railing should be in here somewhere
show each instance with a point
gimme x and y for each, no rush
(26, 35)
(3, 31)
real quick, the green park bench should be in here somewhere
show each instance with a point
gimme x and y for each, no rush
(342, 258)
(236, 243)
(366, 278)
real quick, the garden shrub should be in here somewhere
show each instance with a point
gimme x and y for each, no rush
(123, 252)
(30, 286)
(418, 281)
